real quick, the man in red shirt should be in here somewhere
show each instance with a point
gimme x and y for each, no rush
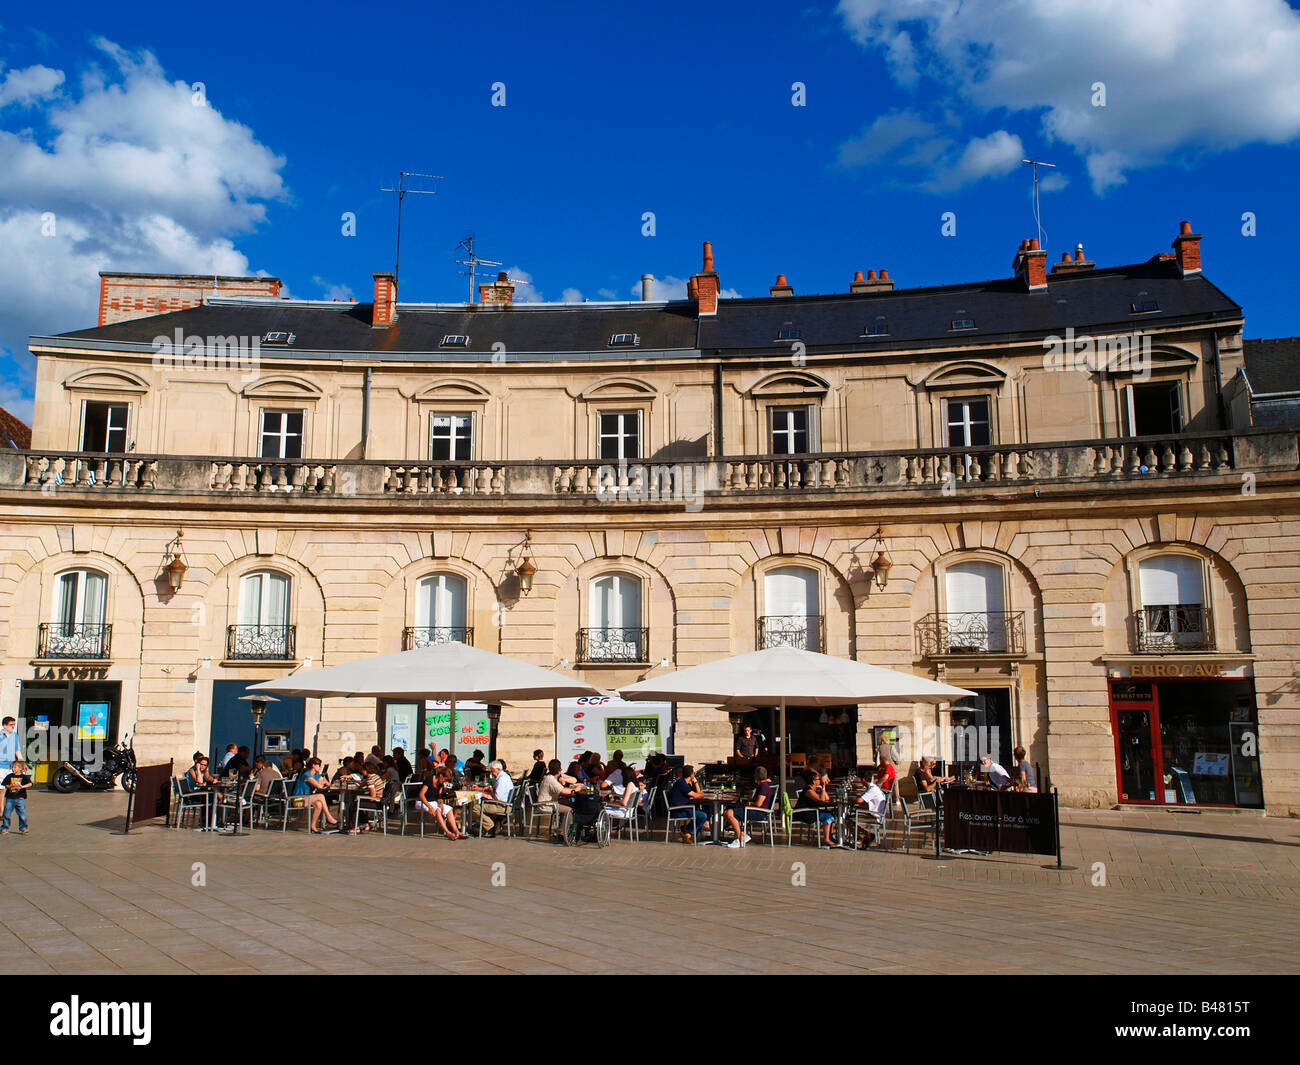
(885, 773)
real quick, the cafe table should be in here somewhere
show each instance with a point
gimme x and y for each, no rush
(212, 794)
(716, 801)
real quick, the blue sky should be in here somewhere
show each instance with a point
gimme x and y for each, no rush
(911, 109)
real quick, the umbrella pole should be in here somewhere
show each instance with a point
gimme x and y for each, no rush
(451, 732)
(781, 741)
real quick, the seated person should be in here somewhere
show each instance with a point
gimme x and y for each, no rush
(551, 793)
(343, 776)
(494, 809)
(997, 776)
(538, 771)
(814, 797)
(264, 775)
(312, 786)
(432, 800)
(760, 797)
(197, 775)
(624, 798)
(885, 773)
(926, 781)
(875, 800)
(404, 767)
(239, 766)
(1024, 778)
(683, 793)
(475, 768)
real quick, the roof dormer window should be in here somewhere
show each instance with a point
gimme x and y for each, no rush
(455, 340)
(789, 331)
(1143, 306)
(278, 338)
(878, 328)
(625, 340)
(962, 323)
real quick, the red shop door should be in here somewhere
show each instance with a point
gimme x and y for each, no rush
(1135, 722)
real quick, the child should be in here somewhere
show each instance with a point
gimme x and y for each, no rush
(16, 785)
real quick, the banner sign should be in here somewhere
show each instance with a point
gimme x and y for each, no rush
(473, 728)
(1019, 822)
(606, 724)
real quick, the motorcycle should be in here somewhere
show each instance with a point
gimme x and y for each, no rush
(75, 774)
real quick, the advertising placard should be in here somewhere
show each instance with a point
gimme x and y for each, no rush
(607, 724)
(473, 728)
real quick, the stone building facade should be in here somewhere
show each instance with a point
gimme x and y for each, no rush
(1077, 530)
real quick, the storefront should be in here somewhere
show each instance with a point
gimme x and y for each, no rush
(1187, 740)
(62, 716)
(413, 725)
(820, 737)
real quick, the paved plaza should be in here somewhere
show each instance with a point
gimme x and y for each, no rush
(1184, 893)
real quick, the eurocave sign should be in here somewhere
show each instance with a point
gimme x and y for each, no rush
(604, 724)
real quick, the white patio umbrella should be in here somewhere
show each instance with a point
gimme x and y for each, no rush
(452, 671)
(777, 675)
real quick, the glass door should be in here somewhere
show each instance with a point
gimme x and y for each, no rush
(1137, 742)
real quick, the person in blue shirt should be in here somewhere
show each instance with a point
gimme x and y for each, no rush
(10, 745)
(684, 792)
(313, 785)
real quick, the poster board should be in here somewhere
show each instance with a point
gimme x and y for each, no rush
(92, 721)
(1018, 822)
(473, 727)
(606, 724)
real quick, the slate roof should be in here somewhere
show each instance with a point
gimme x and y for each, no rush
(1097, 300)
(1272, 365)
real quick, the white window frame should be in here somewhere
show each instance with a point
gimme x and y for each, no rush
(1129, 408)
(427, 615)
(622, 437)
(283, 435)
(809, 433)
(82, 577)
(966, 422)
(109, 427)
(263, 600)
(469, 434)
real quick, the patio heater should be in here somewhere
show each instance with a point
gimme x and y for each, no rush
(257, 707)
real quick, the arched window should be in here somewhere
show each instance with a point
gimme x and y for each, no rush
(263, 630)
(615, 633)
(1173, 615)
(80, 608)
(440, 611)
(975, 616)
(792, 615)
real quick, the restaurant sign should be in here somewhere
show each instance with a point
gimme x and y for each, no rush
(1181, 670)
(1020, 822)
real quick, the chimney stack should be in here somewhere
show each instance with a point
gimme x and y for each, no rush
(385, 309)
(499, 293)
(704, 286)
(1187, 249)
(781, 288)
(873, 283)
(1030, 265)
(1077, 265)
(647, 287)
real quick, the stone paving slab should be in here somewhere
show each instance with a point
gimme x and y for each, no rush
(1183, 893)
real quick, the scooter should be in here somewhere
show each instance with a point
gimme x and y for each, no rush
(101, 775)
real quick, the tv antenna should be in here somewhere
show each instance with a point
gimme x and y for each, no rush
(472, 262)
(1038, 214)
(401, 191)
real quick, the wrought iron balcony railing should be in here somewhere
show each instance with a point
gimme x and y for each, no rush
(1000, 632)
(613, 645)
(414, 636)
(803, 631)
(57, 639)
(267, 643)
(1173, 627)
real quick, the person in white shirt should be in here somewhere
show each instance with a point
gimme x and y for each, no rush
(497, 795)
(875, 800)
(998, 777)
(232, 749)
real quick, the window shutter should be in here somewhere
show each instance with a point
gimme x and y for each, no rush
(1171, 579)
(791, 591)
(974, 588)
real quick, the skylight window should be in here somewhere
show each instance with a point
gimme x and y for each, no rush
(624, 340)
(788, 332)
(1143, 306)
(878, 328)
(278, 338)
(455, 340)
(963, 323)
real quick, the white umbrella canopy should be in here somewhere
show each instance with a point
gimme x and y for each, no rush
(780, 675)
(446, 671)
(452, 671)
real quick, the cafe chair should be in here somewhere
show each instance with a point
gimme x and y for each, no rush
(238, 803)
(760, 817)
(186, 798)
(270, 804)
(920, 818)
(290, 805)
(365, 803)
(875, 821)
(406, 804)
(680, 815)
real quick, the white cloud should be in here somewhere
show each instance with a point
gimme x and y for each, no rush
(993, 156)
(132, 177)
(29, 85)
(332, 291)
(674, 288)
(571, 295)
(885, 135)
(1180, 77)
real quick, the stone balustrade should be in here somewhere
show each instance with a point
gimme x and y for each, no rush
(1095, 461)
